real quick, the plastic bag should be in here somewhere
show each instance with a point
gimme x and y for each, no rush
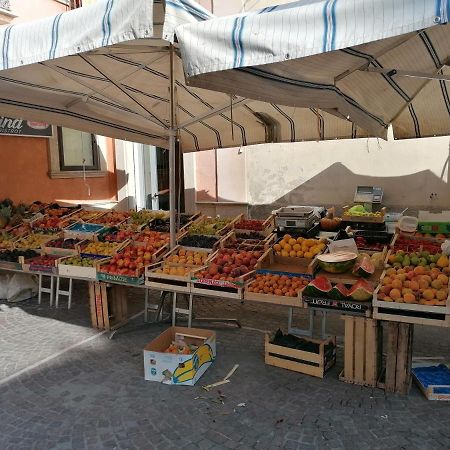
(445, 247)
(21, 287)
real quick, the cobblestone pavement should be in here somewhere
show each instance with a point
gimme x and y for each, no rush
(94, 395)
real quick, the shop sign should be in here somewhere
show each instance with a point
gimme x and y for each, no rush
(24, 128)
(340, 305)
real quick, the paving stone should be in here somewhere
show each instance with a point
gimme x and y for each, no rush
(94, 396)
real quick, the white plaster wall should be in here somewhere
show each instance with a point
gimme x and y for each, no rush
(328, 172)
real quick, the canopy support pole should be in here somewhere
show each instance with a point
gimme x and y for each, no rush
(172, 151)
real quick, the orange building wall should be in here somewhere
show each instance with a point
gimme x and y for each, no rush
(28, 10)
(24, 176)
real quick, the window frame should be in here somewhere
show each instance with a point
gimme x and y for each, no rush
(95, 155)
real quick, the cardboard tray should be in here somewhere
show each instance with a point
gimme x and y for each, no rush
(433, 381)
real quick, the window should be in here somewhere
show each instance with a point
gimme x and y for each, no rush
(77, 150)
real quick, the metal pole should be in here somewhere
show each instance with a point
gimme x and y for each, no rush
(172, 149)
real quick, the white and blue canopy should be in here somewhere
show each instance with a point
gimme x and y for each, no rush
(105, 69)
(376, 62)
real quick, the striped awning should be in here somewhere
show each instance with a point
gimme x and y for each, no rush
(104, 69)
(375, 62)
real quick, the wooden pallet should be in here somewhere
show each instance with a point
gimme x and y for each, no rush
(108, 305)
(399, 358)
(309, 363)
(362, 351)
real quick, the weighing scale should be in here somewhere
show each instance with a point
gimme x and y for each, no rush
(298, 217)
(369, 196)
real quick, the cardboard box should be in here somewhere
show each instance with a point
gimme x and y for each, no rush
(170, 368)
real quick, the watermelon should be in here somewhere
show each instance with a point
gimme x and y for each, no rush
(361, 291)
(364, 268)
(339, 292)
(319, 287)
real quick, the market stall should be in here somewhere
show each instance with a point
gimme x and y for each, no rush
(101, 88)
(403, 280)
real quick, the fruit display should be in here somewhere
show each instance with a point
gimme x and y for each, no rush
(363, 243)
(188, 257)
(164, 224)
(33, 241)
(42, 261)
(252, 225)
(68, 244)
(80, 261)
(84, 215)
(179, 271)
(209, 226)
(423, 258)
(364, 267)
(230, 264)
(439, 236)
(7, 241)
(338, 262)
(144, 216)
(321, 286)
(360, 211)
(20, 230)
(116, 235)
(100, 248)
(405, 243)
(49, 223)
(153, 238)
(14, 255)
(276, 284)
(199, 241)
(249, 235)
(54, 210)
(299, 247)
(416, 285)
(111, 218)
(130, 261)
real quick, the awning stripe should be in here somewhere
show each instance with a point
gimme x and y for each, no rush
(372, 60)
(306, 84)
(289, 119)
(67, 113)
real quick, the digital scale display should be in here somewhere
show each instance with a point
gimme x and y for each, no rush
(368, 194)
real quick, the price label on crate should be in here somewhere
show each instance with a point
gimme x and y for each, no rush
(338, 305)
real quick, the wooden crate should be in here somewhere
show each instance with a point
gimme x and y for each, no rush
(108, 305)
(399, 358)
(211, 254)
(166, 282)
(411, 313)
(219, 288)
(362, 351)
(282, 264)
(363, 219)
(309, 363)
(273, 299)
